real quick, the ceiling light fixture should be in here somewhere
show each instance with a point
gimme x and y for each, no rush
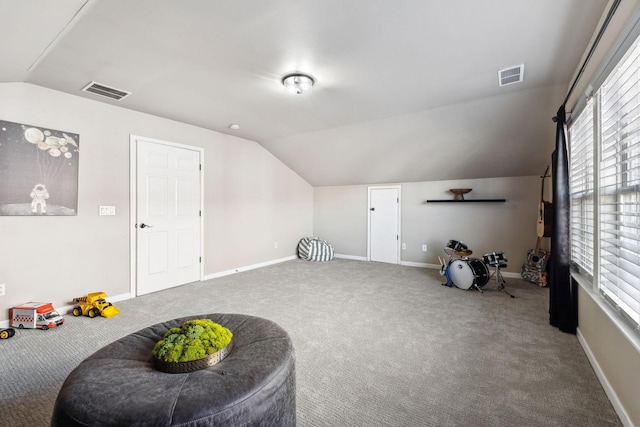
(234, 126)
(297, 82)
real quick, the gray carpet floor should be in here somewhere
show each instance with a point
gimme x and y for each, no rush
(376, 345)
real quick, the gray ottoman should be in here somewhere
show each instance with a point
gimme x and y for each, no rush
(118, 385)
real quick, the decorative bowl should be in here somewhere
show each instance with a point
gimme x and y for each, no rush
(459, 193)
(194, 365)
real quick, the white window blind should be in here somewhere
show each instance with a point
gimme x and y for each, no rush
(581, 187)
(619, 185)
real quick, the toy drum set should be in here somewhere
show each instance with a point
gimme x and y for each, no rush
(465, 272)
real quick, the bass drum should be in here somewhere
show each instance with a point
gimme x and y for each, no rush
(464, 273)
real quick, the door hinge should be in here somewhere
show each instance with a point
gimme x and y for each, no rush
(200, 167)
(397, 237)
(397, 199)
(199, 213)
(200, 259)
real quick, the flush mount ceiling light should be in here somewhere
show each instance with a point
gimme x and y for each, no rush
(297, 82)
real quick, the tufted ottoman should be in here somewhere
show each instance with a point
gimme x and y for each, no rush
(118, 385)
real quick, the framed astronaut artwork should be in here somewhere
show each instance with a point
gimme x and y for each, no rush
(38, 170)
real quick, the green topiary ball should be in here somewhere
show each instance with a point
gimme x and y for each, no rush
(194, 340)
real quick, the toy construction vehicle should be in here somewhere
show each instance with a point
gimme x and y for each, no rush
(7, 333)
(93, 305)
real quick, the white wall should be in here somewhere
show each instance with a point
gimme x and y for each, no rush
(341, 218)
(613, 351)
(252, 200)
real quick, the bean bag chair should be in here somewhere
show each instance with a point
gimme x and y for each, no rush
(314, 249)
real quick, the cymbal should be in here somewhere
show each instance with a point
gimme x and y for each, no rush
(466, 252)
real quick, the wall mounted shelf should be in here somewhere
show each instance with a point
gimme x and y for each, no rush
(468, 201)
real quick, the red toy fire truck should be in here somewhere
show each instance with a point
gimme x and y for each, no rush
(35, 315)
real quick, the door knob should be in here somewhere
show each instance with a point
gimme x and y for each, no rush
(372, 209)
(143, 225)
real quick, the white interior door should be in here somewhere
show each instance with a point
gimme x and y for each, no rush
(168, 225)
(384, 224)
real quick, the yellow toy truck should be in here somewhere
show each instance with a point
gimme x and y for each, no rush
(93, 305)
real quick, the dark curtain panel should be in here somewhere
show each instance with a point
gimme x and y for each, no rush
(562, 298)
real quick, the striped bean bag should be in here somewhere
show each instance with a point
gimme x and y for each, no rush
(314, 249)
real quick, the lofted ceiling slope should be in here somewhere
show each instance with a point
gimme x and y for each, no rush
(406, 90)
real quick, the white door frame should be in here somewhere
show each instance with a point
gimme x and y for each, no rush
(133, 204)
(384, 187)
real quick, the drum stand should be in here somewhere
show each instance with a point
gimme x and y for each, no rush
(499, 278)
(476, 287)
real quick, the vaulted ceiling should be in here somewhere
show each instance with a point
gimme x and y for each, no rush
(406, 90)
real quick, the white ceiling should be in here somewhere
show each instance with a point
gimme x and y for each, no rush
(406, 90)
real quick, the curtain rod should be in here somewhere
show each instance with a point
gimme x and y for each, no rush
(612, 10)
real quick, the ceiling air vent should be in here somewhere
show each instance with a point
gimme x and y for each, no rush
(511, 75)
(103, 90)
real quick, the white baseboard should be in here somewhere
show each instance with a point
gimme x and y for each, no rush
(420, 264)
(66, 309)
(511, 275)
(356, 258)
(121, 297)
(437, 267)
(609, 391)
(248, 267)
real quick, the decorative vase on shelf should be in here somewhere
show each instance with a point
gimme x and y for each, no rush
(459, 193)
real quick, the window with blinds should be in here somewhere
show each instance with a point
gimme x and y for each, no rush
(619, 185)
(607, 182)
(581, 186)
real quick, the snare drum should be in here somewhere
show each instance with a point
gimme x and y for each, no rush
(465, 273)
(455, 246)
(494, 258)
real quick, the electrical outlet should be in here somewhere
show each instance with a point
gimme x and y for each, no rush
(1, 289)
(404, 246)
(424, 248)
(107, 210)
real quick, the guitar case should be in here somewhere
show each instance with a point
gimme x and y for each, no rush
(535, 268)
